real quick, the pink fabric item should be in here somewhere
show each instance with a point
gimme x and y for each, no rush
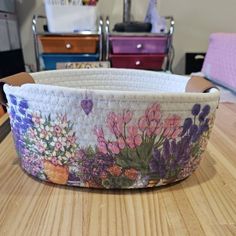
(220, 61)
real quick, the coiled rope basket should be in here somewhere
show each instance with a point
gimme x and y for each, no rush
(109, 128)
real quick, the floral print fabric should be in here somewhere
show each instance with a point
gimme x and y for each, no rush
(153, 150)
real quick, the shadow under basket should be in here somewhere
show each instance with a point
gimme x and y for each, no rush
(109, 128)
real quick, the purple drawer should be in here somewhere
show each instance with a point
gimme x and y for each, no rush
(138, 45)
(146, 62)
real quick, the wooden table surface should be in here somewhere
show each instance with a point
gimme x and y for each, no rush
(203, 204)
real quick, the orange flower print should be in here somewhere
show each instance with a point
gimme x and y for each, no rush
(115, 170)
(131, 174)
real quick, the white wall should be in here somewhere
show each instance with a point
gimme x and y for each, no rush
(195, 21)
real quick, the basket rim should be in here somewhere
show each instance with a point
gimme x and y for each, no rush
(117, 72)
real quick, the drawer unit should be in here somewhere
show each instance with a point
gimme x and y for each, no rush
(69, 44)
(138, 45)
(57, 47)
(140, 50)
(50, 60)
(147, 62)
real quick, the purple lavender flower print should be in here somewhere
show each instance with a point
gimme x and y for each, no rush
(205, 111)
(169, 161)
(21, 121)
(157, 164)
(94, 168)
(196, 109)
(13, 100)
(187, 124)
(33, 164)
(196, 126)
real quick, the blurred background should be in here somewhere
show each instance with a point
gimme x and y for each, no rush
(195, 21)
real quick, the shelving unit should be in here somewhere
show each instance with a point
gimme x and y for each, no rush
(151, 51)
(11, 56)
(65, 47)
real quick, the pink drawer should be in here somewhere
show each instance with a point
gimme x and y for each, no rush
(138, 45)
(146, 62)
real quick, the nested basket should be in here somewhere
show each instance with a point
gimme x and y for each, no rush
(109, 128)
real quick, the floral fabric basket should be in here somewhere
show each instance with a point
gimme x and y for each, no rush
(109, 128)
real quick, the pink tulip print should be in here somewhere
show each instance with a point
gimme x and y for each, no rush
(134, 139)
(150, 122)
(172, 127)
(156, 144)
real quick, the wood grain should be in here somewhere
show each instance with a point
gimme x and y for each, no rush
(203, 204)
(4, 126)
(2, 112)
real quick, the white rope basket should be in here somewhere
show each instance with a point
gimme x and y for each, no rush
(110, 128)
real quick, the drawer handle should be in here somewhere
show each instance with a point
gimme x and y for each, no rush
(139, 46)
(199, 57)
(137, 63)
(68, 46)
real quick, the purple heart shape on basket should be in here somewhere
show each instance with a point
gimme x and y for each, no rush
(87, 105)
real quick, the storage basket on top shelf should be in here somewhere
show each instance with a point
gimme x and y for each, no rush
(70, 18)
